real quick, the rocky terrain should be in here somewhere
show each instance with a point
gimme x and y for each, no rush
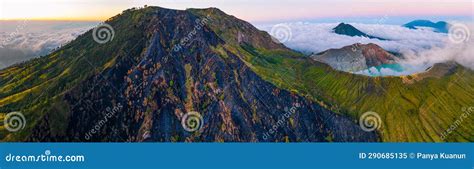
(164, 65)
(139, 86)
(355, 57)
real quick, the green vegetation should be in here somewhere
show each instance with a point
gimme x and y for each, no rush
(413, 112)
(417, 112)
(410, 112)
(37, 87)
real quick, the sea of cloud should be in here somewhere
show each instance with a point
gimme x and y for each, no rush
(23, 40)
(39, 41)
(421, 48)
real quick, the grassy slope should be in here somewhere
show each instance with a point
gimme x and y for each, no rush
(36, 87)
(417, 112)
(410, 112)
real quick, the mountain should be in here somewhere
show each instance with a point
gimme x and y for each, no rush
(349, 30)
(414, 108)
(160, 65)
(163, 63)
(355, 57)
(440, 26)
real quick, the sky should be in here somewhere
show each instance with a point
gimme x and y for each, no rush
(250, 10)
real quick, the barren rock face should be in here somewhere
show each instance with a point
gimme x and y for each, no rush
(355, 57)
(146, 93)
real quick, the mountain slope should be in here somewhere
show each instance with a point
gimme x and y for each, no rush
(162, 64)
(415, 108)
(415, 112)
(410, 112)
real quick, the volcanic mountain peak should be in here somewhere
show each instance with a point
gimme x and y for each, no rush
(161, 65)
(355, 57)
(235, 31)
(349, 30)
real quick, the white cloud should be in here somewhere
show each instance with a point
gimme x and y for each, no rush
(312, 37)
(23, 40)
(422, 47)
(39, 41)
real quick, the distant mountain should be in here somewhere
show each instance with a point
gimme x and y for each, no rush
(349, 30)
(355, 57)
(440, 26)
